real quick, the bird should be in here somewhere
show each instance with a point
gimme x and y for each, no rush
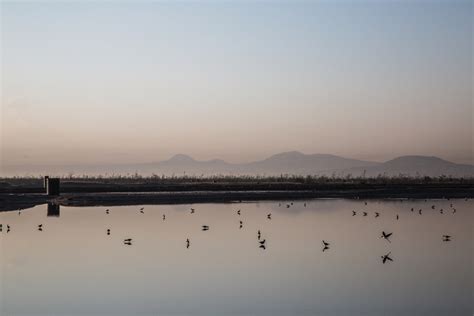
(419, 211)
(305, 205)
(263, 247)
(192, 211)
(354, 213)
(269, 216)
(238, 212)
(386, 257)
(40, 227)
(8, 228)
(287, 205)
(412, 209)
(377, 214)
(263, 242)
(128, 241)
(365, 213)
(142, 208)
(205, 227)
(398, 217)
(432, 207)
(258, 234)
(365, 203)
(1, 228)
(107, 211)
(386, 236)
(187, 243)
(325, 243)
(446, 238)
(141, 211)
(108, 231)
(164, 216)
(454, 210)
(241, 224)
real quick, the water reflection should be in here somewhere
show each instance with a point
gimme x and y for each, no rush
(53, 210)
(318, 257)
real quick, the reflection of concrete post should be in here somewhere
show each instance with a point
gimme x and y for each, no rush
(52, 186)
(53, 210)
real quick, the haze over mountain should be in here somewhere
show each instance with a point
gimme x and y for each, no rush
(291, 163)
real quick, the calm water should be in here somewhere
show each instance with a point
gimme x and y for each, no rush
(73, 267)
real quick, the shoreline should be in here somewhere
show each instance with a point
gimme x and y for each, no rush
(15, 201)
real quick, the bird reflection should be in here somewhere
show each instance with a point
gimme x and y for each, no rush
(386, 258)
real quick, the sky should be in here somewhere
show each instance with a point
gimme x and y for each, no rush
(93, 82)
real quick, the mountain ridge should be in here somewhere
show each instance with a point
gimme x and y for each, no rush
(290, 162)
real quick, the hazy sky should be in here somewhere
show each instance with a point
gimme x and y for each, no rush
(89, 82)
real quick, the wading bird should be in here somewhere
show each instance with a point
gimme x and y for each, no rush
(446, 238)
(386, 236)
(326, 245)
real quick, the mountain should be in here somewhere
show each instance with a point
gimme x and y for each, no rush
(417, 166)
(291, 163)
(294, 162)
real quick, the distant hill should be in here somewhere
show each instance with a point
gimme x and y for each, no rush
(292, 163)
(297, 163)
(417, 166)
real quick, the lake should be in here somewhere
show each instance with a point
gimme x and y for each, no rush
(72, 266)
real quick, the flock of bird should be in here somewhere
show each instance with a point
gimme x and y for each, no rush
(262, 243)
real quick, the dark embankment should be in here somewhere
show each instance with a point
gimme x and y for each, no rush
(24, 193)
